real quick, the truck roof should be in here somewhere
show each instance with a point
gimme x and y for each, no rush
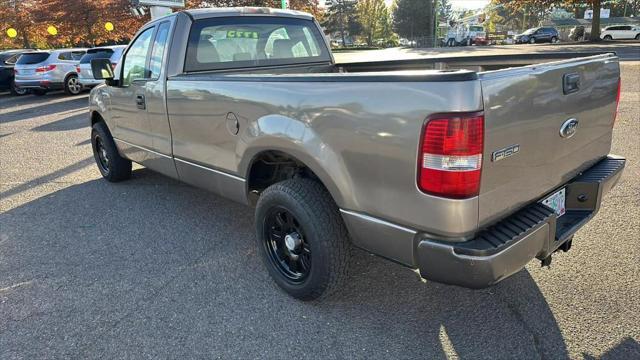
(246, 11)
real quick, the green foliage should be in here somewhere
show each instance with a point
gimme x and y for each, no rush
(444, 9)
(413, 18)
(342, 14)
(375, 19)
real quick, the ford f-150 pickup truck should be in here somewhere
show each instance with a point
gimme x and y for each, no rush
(465, 174)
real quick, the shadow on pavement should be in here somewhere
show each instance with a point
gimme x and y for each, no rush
(72, 122)
(44, 108)
(47, 178)
(628, 348)
(151, 267)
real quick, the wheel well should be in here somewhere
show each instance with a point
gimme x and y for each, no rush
(270, 167)
(68, 76)
(95, 118)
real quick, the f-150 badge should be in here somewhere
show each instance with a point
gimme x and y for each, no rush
(505, 153)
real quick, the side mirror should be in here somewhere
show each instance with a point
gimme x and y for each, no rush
(102, 69)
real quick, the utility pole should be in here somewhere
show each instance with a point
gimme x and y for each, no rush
(436, 24)
(341, 12)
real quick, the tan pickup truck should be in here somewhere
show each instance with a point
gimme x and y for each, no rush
(464, 174)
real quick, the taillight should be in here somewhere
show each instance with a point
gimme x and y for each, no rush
(15, 71)
(615, 116)
(113, 66)
(45, 68)
(450, 159)
(78, 69)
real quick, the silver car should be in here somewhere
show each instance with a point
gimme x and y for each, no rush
(41, 71)
(85, 75)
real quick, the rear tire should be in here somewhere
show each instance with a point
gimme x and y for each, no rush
(298, 223)
(532, 41)
(554, 40)
(112, 166)
(72, 85)
(16, 91)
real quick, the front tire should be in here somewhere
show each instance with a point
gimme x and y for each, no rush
(112, 166)
(608, 38)
(72, 85)
(637, 37)
(554, 40)
(302, 239)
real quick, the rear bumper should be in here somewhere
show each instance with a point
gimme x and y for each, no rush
(38, 84)
(507, 246)
(89, 82)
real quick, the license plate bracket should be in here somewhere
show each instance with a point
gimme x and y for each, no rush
(557, 202)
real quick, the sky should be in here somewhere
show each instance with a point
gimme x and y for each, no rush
(469, 4)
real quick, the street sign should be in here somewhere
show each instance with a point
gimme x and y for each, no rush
(604, 14)
(165, 3)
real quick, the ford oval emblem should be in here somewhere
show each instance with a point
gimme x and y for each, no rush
(569, 128)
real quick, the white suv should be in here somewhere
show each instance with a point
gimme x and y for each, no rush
(621, 32)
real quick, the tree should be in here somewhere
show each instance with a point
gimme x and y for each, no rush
(596, 5)
(343, 17)
(82, 22)
(374, 17)
(413, 18)
(444, 9)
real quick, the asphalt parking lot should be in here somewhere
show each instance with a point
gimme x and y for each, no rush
(151, 268)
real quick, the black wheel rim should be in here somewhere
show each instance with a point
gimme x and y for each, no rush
(286, 245)
(101, 154)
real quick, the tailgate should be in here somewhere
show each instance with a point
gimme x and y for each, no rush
(85, 71)
(525, 109)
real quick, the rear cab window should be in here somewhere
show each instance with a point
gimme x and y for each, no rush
(32, 58)
(253, 41)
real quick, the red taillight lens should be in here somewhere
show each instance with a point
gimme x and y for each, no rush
(15, 71)
(615, 116)
(42, 69)
(451, 155)
(113, 66)
(78, 69)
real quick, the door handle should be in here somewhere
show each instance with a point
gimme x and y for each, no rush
(140, 102)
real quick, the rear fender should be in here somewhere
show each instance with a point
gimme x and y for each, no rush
(297, 139)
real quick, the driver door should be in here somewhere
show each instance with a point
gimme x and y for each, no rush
(129, 113)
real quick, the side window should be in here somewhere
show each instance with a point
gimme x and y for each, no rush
(76, 55)
(12, 59)
(159, 44)
(135, 61)
(64, 56)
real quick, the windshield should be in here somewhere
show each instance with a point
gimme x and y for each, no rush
(530, 31)
(32, 58)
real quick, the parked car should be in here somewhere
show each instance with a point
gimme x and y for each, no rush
(621, 32)
(538, 35)
(85, 75)
(8, 60)
(464, 175)
(578, 33)
(41, 71)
